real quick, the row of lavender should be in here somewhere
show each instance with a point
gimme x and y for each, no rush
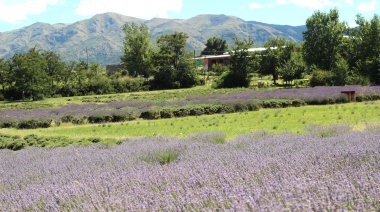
(314, 95)
(129, 110)
(331, 169)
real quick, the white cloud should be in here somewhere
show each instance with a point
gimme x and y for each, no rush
(311, 4)
(256, 6)
(137, 8)
(366, 7)
(350, 2)
(14, 11)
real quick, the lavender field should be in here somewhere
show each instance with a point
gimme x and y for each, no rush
(329, 169)
(133, 109)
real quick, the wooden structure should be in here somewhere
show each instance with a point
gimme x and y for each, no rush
(350, 95)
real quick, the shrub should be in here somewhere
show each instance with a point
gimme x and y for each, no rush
(181, 112)
(28, 124)
(8, 124)
(150, 114)
(166, 113)
(298, 102)
(196, 110)
(240, 107)
(100, 118)
(44, 123)
(67, 118)
(210, 109)
(253, 106)
(322, 78)
(119, 117)
(225, 108)
(79, 120)
(162, 157)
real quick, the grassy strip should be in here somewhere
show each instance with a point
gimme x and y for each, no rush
(292, 119)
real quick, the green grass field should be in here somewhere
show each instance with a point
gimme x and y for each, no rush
(292, 120)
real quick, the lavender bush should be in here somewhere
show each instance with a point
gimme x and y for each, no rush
(308, 94)
(255, 172)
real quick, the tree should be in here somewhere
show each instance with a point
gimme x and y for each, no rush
(176, 69)
(323, 39)
(137, 50)
(293, 68)
(54, 68)
(215, 46)
(240, 66)
(278, 52)
(30, 79)
(4, 76)
(366, 40)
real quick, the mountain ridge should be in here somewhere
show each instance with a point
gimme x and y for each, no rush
(101, 37)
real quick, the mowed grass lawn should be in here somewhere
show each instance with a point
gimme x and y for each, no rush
(279, 120)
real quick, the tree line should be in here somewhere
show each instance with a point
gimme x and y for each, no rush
(331, 53)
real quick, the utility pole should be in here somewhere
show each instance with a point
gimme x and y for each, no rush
(87, 57)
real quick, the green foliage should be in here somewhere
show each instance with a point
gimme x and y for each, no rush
(100, 118)
(150, 114)
(220, 68)
(34, 124)
(323, 39)
(162, 157)
(138, 50)
(215, 46)
(292, 69)
(322, 78)
(30, 81)
(275, 58)
(240, 66)
(175, 69)
(366, 43)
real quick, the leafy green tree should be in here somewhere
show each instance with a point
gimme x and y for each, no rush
(175, 67)
(366, 40)
(215, 46)
(29, 75)
(293, 68)
(54, 68)
(323, 39)
(4, 75)
(241, 66)
(138, 50)
(278, 52)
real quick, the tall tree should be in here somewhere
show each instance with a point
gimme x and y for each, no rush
(30, 78)
(215, 46)
(175, 69)
(293, 68)
(241, 66)
(138, 50)
(323, 39)
(54, 68)
(278, 52)
(366, 40)
(4, 75)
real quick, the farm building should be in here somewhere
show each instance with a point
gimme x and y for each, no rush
(206, 61)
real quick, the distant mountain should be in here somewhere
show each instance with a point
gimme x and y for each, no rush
(101, 37)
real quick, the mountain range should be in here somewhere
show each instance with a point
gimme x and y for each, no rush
(100, 38)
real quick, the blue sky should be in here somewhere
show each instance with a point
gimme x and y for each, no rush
(19, 13)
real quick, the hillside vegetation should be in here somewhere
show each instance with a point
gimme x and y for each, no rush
(102, 35)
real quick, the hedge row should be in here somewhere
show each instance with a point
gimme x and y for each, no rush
(27, 124)
(368, 97)
(99, 118)
(17, 142)
(208, 109)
